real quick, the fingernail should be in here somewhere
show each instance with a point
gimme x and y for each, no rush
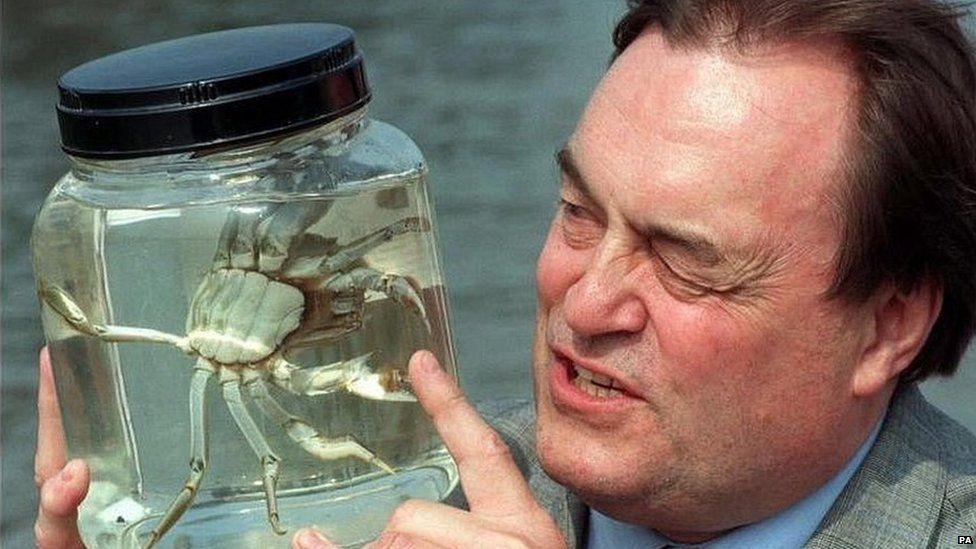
(310, 539)
(428, 364)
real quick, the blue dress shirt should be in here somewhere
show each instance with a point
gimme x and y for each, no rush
(791, 528)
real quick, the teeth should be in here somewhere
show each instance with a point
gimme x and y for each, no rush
(599, 379)
(603, 380)
(596, 385)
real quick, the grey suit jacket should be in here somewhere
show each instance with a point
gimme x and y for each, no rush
(915, 489)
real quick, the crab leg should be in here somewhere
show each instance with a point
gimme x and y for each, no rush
(62, 303)
(358, 248)
(198, 451)
(237, 246)
(226, 241)
(306, 436)
(277, 235)
(230, 384)
(397, 287)
(346, 255)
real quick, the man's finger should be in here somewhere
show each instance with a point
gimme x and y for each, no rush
(50, 457)
(396, 540)
(57, 517)
(309, 538)
(490, 478)
(425, 522)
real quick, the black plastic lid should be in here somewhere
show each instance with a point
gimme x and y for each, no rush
(210, 90)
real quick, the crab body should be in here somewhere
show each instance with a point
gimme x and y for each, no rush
(242, 317)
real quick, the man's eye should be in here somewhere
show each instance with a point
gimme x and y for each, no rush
(580, 228)
(696, 289)
(572, 210)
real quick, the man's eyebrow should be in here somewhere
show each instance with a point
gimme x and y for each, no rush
(697, 245)
(566, 163)
(703, 249)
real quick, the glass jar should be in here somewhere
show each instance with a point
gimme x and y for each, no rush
(236, 233)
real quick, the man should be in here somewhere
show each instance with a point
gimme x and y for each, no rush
(766, 238)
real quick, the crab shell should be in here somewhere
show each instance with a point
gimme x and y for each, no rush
(242, 317)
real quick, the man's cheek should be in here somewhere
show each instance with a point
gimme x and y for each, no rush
(701, 347)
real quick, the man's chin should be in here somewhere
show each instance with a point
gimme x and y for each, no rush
(578, 459)
(594, 465)
(595, 481)
(618, 492)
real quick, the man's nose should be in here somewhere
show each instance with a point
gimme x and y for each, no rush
(600, 303)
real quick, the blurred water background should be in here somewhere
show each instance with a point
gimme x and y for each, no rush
(489, 90)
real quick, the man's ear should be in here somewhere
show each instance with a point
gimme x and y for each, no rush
(901, 325)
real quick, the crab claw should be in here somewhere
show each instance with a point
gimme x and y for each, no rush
(404, 292)
(388, 386)
(361, 379)
(356, 375)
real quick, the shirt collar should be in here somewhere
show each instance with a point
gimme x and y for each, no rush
(792, 527)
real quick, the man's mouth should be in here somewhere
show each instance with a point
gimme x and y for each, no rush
(589, 390)
(594, 384)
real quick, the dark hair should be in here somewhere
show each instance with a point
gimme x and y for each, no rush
(909, 205)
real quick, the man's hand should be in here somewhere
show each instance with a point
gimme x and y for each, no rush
(503, 513)
(62, 486)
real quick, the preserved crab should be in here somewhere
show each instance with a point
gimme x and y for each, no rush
(273, 287)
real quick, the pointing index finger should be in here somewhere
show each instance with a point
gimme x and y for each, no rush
(50, 456)
(491, 480)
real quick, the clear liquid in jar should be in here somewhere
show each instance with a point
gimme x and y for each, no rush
(125, 405)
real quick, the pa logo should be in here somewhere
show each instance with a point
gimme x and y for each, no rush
(964, 540)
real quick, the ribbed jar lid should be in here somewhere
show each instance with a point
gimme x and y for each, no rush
(209, 90)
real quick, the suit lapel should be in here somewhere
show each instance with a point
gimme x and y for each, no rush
(894, 498)
(569, 513)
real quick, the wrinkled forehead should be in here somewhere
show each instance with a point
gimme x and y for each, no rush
(773, 118)
(733, 94)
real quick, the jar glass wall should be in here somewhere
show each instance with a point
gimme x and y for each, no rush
(291, 279)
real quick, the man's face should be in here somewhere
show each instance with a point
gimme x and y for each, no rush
(688, 264)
